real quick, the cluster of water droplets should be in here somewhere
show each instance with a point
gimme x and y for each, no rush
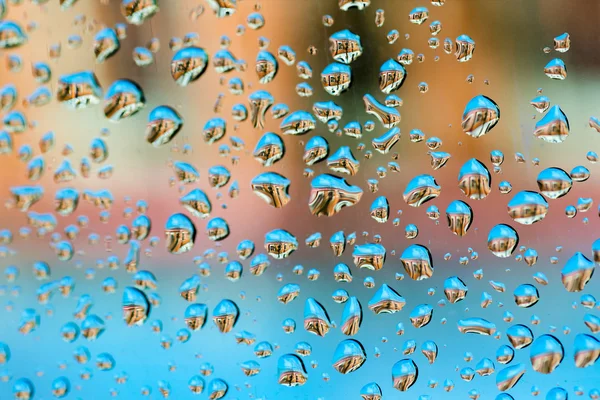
(329, 194)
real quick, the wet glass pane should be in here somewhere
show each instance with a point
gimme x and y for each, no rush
(285, 199)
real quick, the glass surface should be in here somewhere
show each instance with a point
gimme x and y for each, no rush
(163, 141)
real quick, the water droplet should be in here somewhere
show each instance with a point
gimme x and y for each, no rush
(291, 370)
(480, 116)
(502, 240)
(12, 35)
(349, 356)
(316, 319)
(188, 64)
(556, 69)
(553, 127)
(459, 215)
(266, 66)
(404, 374)
(465, 46)
(546, 354)
(519, 336)
(526, 295)
(79, 90)
(527, 207)
(421, 189)
(272, 188)
(478, 326)
(386, 300)
(577, 272)
(123, 99)
(225, 315)
(508, 377)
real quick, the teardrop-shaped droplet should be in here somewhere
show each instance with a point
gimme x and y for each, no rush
(577, 272)
(480, 116)
(417, 262)
(351, 317)
(553, 127)
(316, 319)
(404, 374)
(502, 240)
(459, 215)
(291, 370)
(546, 354)
(420, 190)
(123, 99)
(136, 306)
(225, 315)
(349, 356)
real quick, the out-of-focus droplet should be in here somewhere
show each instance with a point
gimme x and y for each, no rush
(23, 388)
(136, 306)
(79, 90)
(11, 35)
(586, 350)
(217, 229)
(138, 11)
(418, 15)
(142, 56)
(287, 55)
(223, 8)
(106, 44)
